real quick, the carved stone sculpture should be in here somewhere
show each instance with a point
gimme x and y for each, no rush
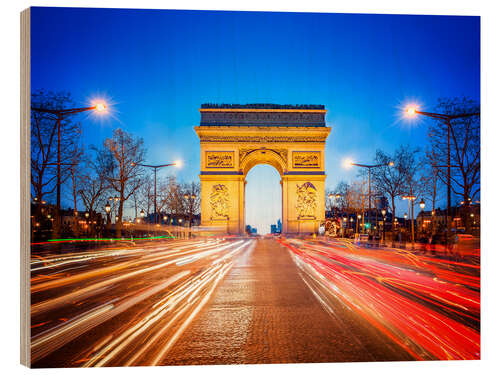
(219, 201)
(306, 201)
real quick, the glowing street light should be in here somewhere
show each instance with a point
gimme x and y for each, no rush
(61, 114)
(369, 167)
(101, 107)
(410, 112)
(347, 163)
(177, 164)
(422, 204)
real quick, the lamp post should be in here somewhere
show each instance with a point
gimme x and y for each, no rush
(60, 114)
(357, 223)
(383, 222)
(87, 221)
(107, 208)
(142, 214)
(113, 200)
(369, 167)
(180, 224)
(155, 168)
(410, 199)
(422, 206)
(412, 111)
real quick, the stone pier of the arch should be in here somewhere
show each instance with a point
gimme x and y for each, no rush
(235, 138)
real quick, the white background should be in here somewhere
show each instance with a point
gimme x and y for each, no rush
(9, 180)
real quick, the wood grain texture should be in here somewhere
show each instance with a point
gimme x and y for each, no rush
(25, 186)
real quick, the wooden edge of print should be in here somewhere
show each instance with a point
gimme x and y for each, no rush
(25, 57)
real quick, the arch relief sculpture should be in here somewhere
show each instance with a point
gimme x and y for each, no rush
(306, 201)
(219, 201)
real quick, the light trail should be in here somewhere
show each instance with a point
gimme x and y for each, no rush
(155, 292)
(429, 317)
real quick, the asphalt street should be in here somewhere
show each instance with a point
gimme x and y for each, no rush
(247, 300)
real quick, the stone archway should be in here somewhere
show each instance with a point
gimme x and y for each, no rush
(235, 138)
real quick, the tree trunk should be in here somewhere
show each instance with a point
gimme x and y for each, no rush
(119, 221)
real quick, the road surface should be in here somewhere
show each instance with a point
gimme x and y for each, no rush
(245, 300)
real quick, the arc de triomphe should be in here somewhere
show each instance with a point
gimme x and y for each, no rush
(234, 138)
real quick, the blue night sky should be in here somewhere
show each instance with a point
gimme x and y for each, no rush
(157, 67)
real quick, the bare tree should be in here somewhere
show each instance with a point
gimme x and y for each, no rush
(192, 201)
(119, 161)
(92, 186)
(44, 143)
(145, 195)
(414, 184)
(74, 174)
(340, 198)
(465, 148)
(172, 197)
(388, 180)
(432, 185)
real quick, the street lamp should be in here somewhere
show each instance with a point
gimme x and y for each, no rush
(383, 222)
(422, 204)
(114, 200)
(60, 114)
(177, 163)
(411, 112)
(348, 163)
(410, 199)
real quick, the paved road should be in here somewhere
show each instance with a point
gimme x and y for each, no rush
(264, 312)
(250, 301)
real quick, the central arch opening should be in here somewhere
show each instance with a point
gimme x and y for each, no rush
(263, 198)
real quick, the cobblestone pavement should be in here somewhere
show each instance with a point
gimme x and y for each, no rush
(263, 312)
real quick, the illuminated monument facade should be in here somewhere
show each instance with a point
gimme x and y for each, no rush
(234, 138)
